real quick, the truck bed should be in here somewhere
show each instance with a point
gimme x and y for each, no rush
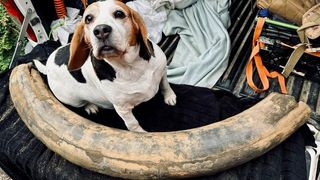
(23, 156)
(233, 80)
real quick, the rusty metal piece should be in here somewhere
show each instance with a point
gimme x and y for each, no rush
(120, 153)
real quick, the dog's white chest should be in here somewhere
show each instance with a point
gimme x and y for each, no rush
(134, 87)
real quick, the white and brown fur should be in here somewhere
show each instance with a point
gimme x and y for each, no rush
(110, 63)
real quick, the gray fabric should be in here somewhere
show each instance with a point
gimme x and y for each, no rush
(203, 50)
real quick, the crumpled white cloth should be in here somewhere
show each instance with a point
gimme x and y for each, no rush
(62, 28)
(172, 4)
(154, 20)
(203, 51)
(155, 12)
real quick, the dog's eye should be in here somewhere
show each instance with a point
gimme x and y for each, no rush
(88, 19)
(119, 14)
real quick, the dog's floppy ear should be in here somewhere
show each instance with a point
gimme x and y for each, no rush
(79, 49)
(146, 49)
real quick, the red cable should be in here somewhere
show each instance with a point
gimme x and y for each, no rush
(60, 8)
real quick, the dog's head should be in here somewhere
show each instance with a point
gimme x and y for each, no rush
(108, 28)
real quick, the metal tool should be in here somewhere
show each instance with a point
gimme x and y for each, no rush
(22, 35)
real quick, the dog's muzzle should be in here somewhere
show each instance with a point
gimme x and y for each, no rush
(102, 31)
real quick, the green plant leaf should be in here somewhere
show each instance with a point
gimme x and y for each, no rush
(8, 38)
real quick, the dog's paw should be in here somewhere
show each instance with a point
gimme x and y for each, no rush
(91, 109)
(170, 98)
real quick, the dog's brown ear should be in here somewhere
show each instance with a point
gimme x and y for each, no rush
(79, 49)
(141, 33)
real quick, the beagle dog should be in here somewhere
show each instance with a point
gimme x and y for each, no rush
(109, 63)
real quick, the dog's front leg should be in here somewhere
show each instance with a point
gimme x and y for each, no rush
(125, 112)
(170, 97)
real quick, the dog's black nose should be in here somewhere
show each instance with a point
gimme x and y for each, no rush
(102, 31)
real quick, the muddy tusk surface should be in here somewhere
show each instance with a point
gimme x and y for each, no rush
(200, 151)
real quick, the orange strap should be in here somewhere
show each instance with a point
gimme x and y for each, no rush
(255, 57)
(316, 54)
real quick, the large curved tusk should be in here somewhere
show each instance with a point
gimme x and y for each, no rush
(119, 153)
